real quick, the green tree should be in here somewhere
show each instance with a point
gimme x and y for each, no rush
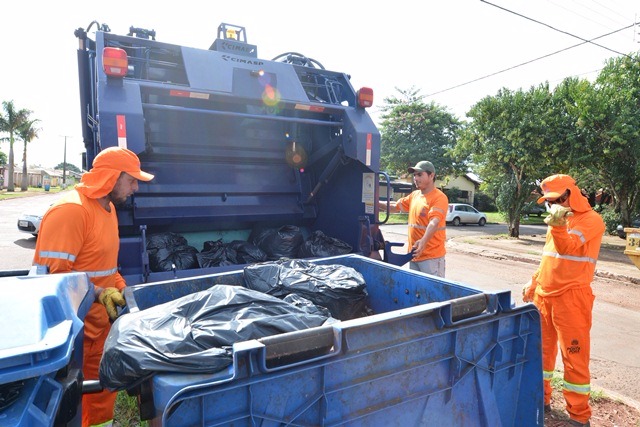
(70, 167)
(608, 117)
(3, 158)
(27, 133)
(10, 122)
(510, 141)
(412, 130)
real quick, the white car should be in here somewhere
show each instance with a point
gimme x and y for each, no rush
(461, 213)
(30, 223)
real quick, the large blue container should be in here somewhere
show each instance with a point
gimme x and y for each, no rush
(41, 332)
(436, 353)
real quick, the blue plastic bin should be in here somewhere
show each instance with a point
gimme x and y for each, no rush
(436, 353)
(41, 331)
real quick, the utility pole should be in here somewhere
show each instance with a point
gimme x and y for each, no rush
(64, 164)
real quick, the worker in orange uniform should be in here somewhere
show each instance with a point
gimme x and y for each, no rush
(427, 208)
(561, 290)
(79, 233)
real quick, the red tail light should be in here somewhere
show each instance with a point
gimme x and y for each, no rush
(365, 97)
(115, 62)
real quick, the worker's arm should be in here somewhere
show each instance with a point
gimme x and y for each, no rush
(393, 206)
(61, 238)
(570, 241)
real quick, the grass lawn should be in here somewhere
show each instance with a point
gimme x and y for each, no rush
(31, 191)
(492, 218)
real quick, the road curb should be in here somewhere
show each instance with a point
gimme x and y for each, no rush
(493, 253)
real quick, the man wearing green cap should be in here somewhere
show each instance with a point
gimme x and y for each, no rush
(427, 208)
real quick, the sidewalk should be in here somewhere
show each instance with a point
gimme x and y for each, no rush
(612, 262)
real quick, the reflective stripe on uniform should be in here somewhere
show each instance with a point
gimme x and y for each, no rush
(579, 234)
(423, 227)
(435, 208)
(569, 257)
(547, 375)
(57, 255)
(101, 273)
(577, 388)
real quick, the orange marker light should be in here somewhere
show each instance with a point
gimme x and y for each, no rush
(365, 97)
(115, 62)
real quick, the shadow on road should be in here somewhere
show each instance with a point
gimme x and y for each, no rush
(26, 243)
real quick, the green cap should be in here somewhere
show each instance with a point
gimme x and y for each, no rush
(423, 166)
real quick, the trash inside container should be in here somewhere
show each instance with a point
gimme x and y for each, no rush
(435, 352)
(41, 331)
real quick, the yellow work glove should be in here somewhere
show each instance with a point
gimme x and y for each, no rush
(111, 297)
(558, 216)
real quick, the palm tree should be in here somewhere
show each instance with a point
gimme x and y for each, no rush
(10, 122)
(27, 133)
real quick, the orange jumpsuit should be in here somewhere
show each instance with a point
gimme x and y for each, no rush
(564, 298)
(78, 234)
(422, 208)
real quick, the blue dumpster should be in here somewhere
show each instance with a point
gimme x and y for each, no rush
(435, 352)
(41, 331)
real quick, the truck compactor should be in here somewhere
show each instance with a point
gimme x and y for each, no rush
(236, 143)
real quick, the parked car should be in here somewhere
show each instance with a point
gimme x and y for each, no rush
(635, 223)
(534, 208)
(461, 213)
(30, 222)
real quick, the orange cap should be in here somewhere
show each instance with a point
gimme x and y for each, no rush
(555, 185)
(107, 167)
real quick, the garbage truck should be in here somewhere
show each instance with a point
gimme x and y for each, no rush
(236, 143)
(241, 147)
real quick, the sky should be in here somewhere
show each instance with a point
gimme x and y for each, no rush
(455, 52)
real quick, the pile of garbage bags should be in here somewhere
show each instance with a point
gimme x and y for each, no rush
(195, 333)
(169, 251)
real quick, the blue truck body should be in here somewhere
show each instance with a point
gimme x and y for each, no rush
(235, 142)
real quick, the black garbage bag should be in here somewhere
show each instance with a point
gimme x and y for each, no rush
(182, 257)
(282, 242)
(165, 240)
(217, 253)
(339, 288)
(194, 334)
(247, 252)
(320, 245)
(306, 305)
(169, 250)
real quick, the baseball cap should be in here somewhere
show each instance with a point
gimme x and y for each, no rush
(554, 185)
(423, 166)
(120, 159)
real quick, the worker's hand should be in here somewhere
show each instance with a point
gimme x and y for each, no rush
(528, 292)
(418, 247)
(558, 216)
(110, 298)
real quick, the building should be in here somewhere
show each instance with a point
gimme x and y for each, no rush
(465, 186)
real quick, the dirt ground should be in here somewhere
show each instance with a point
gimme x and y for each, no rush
(607, 412)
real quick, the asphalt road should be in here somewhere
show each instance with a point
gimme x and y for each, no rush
(16, 247)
